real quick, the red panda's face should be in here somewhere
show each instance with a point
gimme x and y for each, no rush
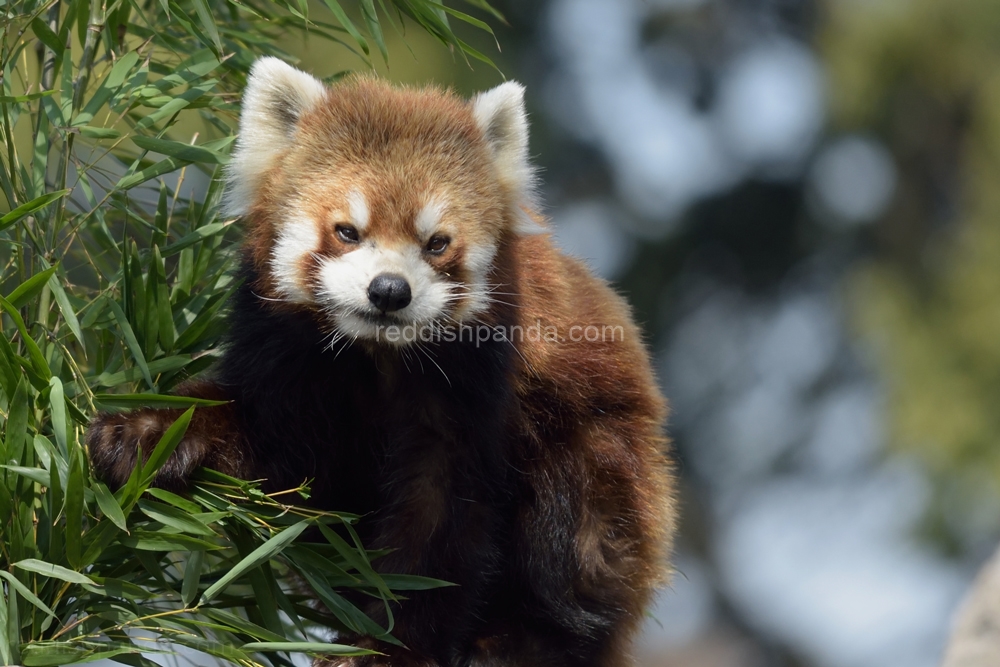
(375, 206)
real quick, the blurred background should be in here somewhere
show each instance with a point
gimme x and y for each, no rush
(800, 199)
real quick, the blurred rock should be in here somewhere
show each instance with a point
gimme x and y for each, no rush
(975, 640)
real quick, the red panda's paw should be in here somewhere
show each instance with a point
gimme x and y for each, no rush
(114, 440)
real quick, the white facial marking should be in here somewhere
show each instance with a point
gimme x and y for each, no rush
(478, 262)
(344, 284)
(429, 217)
(298, 238)
(358, 209)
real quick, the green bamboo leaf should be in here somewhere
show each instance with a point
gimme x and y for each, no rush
(151, 324)
(32, 206)
(194, 237)
(9, 367)
(203, 321)
(21, 99)
(176, 104)
(162, 542)
(164, 365)
(45, 35)
(12, 631)
(165, 314)
(106, 501)
(131, 341)
(346, 613)
(208, 22)
(5, 647)
(348, 25)
(57, 405)
(261, 554)
(485, 6)
(34, 474)
(161, 220)
(92, 132)
(374, 28)
(54, 571)
(213, 648)
(175, 518)
(131, 401)
(411, 582)
(109, 86)
(169, 441)
(192, 577)
(30, 288)
(75, 484)
(38, 363)
(197, 66)
(65, 307)
(181, 150)
(158, 169)
(356, 559)
(17, 423)
(175, 500)
(462, 16)
(26, 593)
(240, 624)
(318, 648)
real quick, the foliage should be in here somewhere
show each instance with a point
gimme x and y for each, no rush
(925, 75)
(116, 118)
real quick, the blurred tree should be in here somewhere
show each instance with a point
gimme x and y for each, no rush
(925, 76)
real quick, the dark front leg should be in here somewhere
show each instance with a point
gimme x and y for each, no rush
(440, 523)
(213, 439)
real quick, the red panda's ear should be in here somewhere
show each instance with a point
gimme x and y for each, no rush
(276, 96)
(500, 115)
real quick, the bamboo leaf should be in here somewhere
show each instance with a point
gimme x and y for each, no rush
(307, 647)
(17, 423)
(194, 237)
(26, 593)
(30, 288)
(165, 447)
(38, 363)
(180, 150)
(92, 132)
(348, 25)
(175, 518)
(57, 405)
(109, 86)
(131, 341)
(75, 484)
(261, 554)
(106, 501)
(192, 577)
(65, 307)
(208, 22)
(32, 206)
(131, 401)
(54, 571)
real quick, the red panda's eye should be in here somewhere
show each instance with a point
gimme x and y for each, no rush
(347, 233)
(437, 244)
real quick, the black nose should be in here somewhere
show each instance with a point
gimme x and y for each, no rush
(389, 292)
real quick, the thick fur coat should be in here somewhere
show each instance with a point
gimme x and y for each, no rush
(407, 335)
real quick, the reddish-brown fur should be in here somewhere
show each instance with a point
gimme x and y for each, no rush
(575, 533)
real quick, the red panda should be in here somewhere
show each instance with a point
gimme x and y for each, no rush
(407, 335)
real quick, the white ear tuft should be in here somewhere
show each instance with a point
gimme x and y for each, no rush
(501, 116)
(276, 97)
